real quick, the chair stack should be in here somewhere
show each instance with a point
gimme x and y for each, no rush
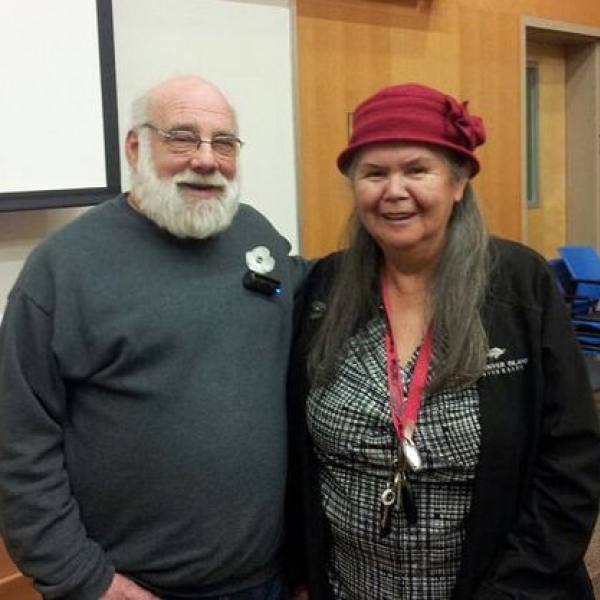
(577, 274)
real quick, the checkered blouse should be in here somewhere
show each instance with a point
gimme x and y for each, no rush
(355, 440)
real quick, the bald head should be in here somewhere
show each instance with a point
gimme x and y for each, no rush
(178, 94)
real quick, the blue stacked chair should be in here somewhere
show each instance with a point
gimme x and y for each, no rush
(581, 276)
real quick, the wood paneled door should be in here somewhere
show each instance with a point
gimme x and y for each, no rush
(566, 58)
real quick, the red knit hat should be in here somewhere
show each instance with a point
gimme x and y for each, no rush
(414, 113)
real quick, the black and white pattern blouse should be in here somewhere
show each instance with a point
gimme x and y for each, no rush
(356, 443)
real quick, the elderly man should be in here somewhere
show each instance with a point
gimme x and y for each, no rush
(143, 356)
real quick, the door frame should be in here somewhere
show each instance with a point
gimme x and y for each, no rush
(582, 85)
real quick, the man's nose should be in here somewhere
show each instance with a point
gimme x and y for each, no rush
(204, 158)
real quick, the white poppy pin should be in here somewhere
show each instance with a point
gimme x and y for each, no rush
(260, 260)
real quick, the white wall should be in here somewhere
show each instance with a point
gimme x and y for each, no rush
(245, 47)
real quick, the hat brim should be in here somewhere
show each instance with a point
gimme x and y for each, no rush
(345, 157)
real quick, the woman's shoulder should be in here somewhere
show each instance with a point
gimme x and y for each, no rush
(508, 258)
(518, 273)
(317, 284)
(509, 251)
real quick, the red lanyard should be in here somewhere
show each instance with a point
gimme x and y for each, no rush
(404, 411)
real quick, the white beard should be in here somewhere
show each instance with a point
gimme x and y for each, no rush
(162, 201)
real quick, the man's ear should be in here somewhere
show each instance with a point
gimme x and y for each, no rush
(132, 147)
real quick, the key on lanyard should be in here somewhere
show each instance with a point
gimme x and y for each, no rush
(389, 497)
(398, 494)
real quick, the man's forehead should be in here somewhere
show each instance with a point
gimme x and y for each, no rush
(192, 107)
(212, 104)
(191, 90)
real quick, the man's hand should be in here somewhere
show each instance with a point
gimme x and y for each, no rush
(300, 594)
(122, 588)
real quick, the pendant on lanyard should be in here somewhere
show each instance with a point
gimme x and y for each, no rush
(405, 411)
(411, 454)
(398, 492)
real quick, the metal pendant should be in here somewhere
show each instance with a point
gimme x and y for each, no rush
(411, 455)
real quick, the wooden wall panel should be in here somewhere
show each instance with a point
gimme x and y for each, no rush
(17, 587)
(342, 58)
(347, 49)
(13, 586)
(490, 72)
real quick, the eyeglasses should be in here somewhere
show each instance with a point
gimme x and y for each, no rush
(183, 142)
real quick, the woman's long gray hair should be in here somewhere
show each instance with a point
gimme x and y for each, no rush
(457, 294)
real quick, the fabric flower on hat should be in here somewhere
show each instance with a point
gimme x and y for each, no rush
(469, 127)
(260, 260)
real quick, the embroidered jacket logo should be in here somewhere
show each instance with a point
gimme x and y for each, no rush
(503, 367)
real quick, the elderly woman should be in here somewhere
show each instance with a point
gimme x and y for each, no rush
(443, 440)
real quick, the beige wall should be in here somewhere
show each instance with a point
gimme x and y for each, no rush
(19, 233)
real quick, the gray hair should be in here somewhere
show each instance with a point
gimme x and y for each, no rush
(456, 296)
(140, 110)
